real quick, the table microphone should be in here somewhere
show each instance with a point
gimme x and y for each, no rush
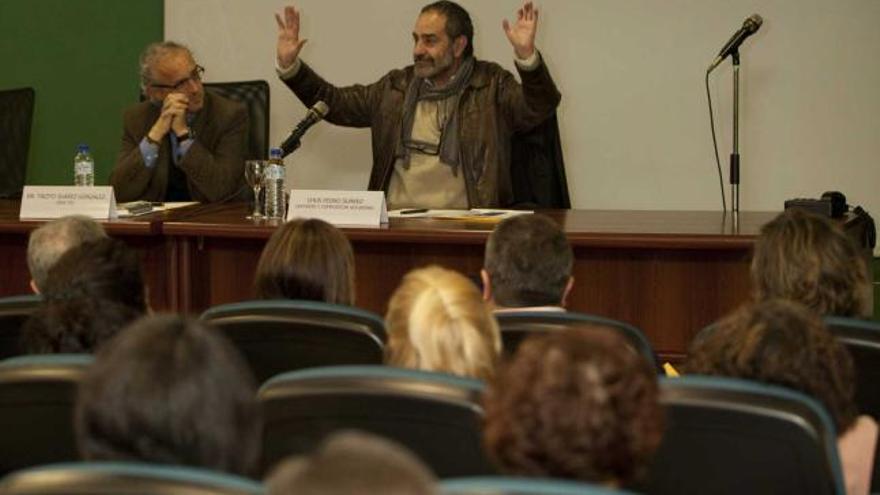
(314, 115)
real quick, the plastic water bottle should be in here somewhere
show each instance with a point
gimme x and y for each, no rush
(83, 167)
(273, 184)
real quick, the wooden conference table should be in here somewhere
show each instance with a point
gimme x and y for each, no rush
(669, 273)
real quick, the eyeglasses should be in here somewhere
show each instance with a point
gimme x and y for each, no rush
(422, 147)
(195, 76)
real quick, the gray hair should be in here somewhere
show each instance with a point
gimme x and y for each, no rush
(154, 52)
(529, 262)
(353, 462)
(53, 239)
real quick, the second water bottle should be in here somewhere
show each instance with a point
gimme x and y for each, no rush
(273, 185)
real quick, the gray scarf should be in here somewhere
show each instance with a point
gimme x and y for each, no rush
(420, 89)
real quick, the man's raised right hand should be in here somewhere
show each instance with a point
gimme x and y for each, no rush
(289, 43)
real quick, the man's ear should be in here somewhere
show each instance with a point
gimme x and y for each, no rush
(458, 45)
(566, 292)
(487, 285)
(34, 288)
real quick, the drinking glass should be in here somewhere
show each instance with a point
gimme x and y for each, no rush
(253, 174)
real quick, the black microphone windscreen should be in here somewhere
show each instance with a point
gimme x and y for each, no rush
(753, 22)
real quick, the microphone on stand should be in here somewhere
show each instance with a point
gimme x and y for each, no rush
(314, 115)
(749, 27)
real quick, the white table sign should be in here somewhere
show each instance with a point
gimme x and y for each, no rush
(350, 208)
(58, 201)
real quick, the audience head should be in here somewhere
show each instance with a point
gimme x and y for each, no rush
(436, 321)
(528, 262)
(307, 259)
(171, 391)
(782, 343)
(353, 463)
(803, 257)
(92, 291)
(53, 239)
(579, 404)
(169, 67)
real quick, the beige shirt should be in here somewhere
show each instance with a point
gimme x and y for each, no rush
(428, 182)
(856, 448)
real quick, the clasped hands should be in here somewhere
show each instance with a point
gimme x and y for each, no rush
(171, 118)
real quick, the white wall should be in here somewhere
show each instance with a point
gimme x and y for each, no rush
(634, 116)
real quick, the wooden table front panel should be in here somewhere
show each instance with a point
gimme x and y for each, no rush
(669, 273)
(158, 255)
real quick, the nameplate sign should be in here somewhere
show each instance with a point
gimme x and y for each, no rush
(348, 208)
(59, 201)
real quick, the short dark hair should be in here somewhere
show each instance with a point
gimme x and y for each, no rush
(307, 259)
(91, 292)
(529, 262)
(458, 22)
(352, 462)
(171, 391)
(578, 404)
(807, 258)
(781, 343)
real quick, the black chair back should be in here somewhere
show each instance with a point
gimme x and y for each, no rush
(125, 478)
(503, 485)
(517, 326)
(37, 398)
(727, 436)
(284, 335)
(14, 312)
(255, 95)
(16, 116)
(435, 415)
(862, 339)
(537, 169)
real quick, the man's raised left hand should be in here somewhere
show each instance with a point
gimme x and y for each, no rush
(522, 33)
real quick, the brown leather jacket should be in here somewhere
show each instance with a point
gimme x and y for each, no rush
(494, 105)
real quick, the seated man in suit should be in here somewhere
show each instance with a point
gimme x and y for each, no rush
(527, 265)
(47, 243)
(182, 144)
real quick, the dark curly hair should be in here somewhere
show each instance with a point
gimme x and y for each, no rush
(578, 404)
(93, 291)
(781, 343)
(806, 258)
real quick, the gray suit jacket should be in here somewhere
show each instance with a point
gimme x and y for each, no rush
(214, 164)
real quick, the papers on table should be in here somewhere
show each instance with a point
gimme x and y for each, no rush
(472, 215)
(138, 208)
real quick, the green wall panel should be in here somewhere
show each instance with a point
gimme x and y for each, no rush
(80, 56)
